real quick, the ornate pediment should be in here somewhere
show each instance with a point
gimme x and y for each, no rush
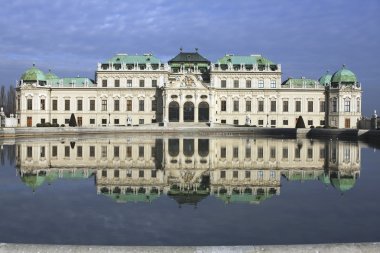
(188, 81)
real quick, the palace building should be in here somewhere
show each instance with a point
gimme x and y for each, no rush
(131, 90)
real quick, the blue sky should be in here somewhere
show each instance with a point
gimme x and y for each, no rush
(307, 37)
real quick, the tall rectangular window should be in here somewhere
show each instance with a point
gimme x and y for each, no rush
(285, 153)
(92, 151)
(141, 83)
(129, 105)
(92, 105)
(103, 151)
(129, 151)
(261, 106)
(141, 105)
(141, 151)
(358, 105)
(285, 106)
(273, 83)
(79, 151)
(29, 151)
(272, 152)
(223, 84)
(334, 105)
(117, 83)
(273, 106)
(223, 105)
(223, 152)
(104, 83)
(42, 152)
(154, 83)
(116, 105)
(236, 83)
(154, 105)
(104, 105)
(116, 150)
(248, 152)
(322, 106)
(310, 106)
(29, 104)
(67, 104)
(67, 151)
(129, 83)
(79, 105)
(42, 102)
(261, 83)
(248, 106)
(236, 105)
(248, 84)
(54, 151)
(260, 152)
(298, 106)
(347, 105)
(235, 152)
(55, 105)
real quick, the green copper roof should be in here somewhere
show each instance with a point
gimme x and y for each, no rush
(128, 197)
(133, 59)
(343, 184)
(325, 79)
(189, 58)
(300, 82)
(33, 74)
(344, 76)
(51, 75)
(246, 60)
(71, 81)
(245, 197)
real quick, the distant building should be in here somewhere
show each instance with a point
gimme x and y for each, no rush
(235, 90)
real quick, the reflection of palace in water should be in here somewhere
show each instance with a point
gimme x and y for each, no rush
(190, 169)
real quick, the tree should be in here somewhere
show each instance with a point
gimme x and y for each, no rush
(73, 121)
(300, 123)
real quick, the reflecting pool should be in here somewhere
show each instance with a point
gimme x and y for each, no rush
(197, 190)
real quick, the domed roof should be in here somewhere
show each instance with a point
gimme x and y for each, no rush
(344, 76)
(33, 74)
(51, 75)
(325, 79)
(343, 184)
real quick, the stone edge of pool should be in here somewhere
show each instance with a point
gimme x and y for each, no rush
(320, 248)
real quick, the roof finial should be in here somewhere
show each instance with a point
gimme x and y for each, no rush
(49, 70)
(327, 71)
(180, 49)
(34, 64)
(344, 66)
(196, 49)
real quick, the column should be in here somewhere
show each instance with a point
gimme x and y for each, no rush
(195, 107)
(165, 116)
(180, 109)
(211, 108)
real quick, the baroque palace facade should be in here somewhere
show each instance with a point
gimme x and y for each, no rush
(134, 90)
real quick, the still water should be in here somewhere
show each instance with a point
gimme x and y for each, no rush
(142, 190)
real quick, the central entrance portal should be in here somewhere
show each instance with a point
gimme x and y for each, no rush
(203, 112)
(188, 112)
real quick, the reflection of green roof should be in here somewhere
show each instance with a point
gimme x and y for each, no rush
(324, 179)
(133, 59)
(325, 79)
(344, 76)
(71, 82)
(246, 60)
(130, 197)
(33, 181)
(187, 197)
(245, 198)
(343, 184)
(33, 74)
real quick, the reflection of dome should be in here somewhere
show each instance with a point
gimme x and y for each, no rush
(343, 184)
(244, 198)
(324, 179)
(325, 79)
(51, 75)
(130, 197)
(33, 74)
(344, 76)
(32, 180)
(187, 197)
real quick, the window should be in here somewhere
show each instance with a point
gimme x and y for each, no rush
(29, 152)
(235, 152)
(273, 83)
(42, 152)
(141, 121)
(310, 122)
(235, 174)
(223, 84)
(129, 83)
(260, 122)
(103, 151)
(116, 105)
(104, 173)
(223, 152)
(54, 151)
(248, 106)
(322, 153)
(129, 105)
(223, 105)
(154, 105)
(67, 151)
(247, 174)
(223, 121)
(248, 84)
(334, 105)
(92, 121)
(116, 173)
(104, 105)
(310, 106)
(104, 121)
(273, 106)
(117, 83)
(79, 151)
(141, 151)
(297, 153)
(236, 105)
(322, 106)
(116, 121)
(236, 122)
(236, 83)
(55, 105)
(272, 152)
(116, 151)
(79, 105)
(347, 105)
(92, 151)
(261, 106)
(322, 122)
(92, 105)
(261, 83)
(141, 105)
(273, 122)
(42, 121)
(309, 153)
(154, 83)
(153, 152)
(67, 104)
(54, 121)
(67, 121)
(223, 174)
(104, 83)
(248, 152)
(285, 153)
(285, 106)
(141, 83)
(42, 102)
(260, 174)
(298, 106)
(129, 151)
(29, 104)
(358, 105)
(260, 152)
(285, 122)
(153, 174)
